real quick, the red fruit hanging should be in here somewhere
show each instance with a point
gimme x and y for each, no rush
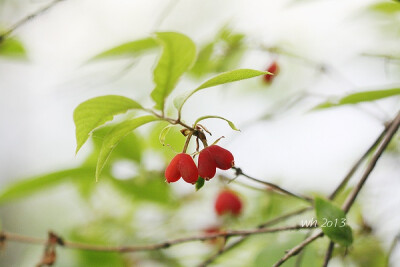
(228, 202)
(182, 165)
(274, 69)
(214, 157)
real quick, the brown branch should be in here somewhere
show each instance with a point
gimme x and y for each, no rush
(328, 254)
(21, 22)
(394, 126)
(273, 186)
(300, 256)
(241, 240)
(295, 250)
(6, 236)
(346, 179)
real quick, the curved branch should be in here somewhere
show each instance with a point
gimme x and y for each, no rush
(273, 186)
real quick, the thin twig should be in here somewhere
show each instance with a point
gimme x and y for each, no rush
(391, 249)
(165, 13)
(394, 126)
(328, 254)
(295, 250)
(346, 179)
(300, 256)
(21, 22)
(273, 186)
(6, 236)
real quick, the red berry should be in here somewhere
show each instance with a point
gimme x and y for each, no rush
(214, 157)
(274, 69)
(182, 165)
(228, 202)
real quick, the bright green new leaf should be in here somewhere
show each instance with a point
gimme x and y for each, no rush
(129, 49)
(13, 48)
(366, 96)
(116, 134)
(27, 187)
(226, 77)
(217, 117)
(333, 222)
(94, 112)
(179, 53)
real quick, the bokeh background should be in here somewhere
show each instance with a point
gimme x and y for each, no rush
(356, 42)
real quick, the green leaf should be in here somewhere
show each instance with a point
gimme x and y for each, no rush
(203, 62)
(199, 183)
(131, 147)
(130, 49)
(94, 112)
(333, 222)
(366, 96)
(217, 117)
(226, 77)
(386, 7)
(13, 48)
(179, 53)
(150, 187)
(27, 187)
(116, 134)
(164, 132)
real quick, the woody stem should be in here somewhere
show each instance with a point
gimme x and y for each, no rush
(187, 142)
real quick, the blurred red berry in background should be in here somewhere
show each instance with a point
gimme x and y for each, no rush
(228, 202)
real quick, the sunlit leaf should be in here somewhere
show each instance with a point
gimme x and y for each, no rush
(366, 96)
(130, 49)
(116, 134)
(12, 48)
(226, 77)
(179, 53)
(94, 112)
(27, 187)
(231, 124)
(333, 222)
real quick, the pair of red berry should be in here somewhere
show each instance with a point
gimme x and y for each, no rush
(210, 158)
